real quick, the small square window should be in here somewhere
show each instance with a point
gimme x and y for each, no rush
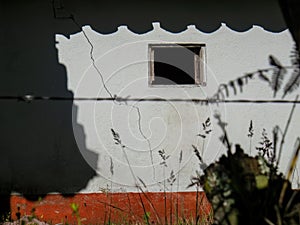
(176, 64)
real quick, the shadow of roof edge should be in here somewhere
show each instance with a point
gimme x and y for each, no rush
(158, 25)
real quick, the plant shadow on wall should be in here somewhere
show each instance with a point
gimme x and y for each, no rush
(173, 209)
(39, 153)
(245, 189)
(250, 190)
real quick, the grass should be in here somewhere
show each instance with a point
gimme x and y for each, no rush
(229, 189)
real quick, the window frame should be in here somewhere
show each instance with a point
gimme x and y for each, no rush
(199, 64)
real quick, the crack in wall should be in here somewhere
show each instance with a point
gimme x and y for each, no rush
(219, 97)
(57, 4)
(92, 57)
(144, 136)
(115, 97)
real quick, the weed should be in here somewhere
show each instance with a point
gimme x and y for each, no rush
(250, 135)
(164, 158)
(75, 211)
(177, 194)
(249, 190)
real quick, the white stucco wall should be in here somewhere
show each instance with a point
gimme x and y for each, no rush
(122, 58)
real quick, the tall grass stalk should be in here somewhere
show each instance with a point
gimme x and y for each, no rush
(286, 129)
(118, 141)
(178, 183)
(290, 172)
(151, 204)
(197, 205)
(146, 216)
(165, 197)
(171, 208)
(105, 210)
(129, 206)
(250, 135)
(171, 180)
(110, 194)
(164, 158)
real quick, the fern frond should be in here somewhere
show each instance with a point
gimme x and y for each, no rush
(278, 74)
(293, 83)
(263, 77)
(232, 85)
(277, 79)
(274, 62)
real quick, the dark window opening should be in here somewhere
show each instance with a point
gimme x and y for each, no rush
(176, 64)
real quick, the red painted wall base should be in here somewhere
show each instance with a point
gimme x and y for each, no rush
(118, 208)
